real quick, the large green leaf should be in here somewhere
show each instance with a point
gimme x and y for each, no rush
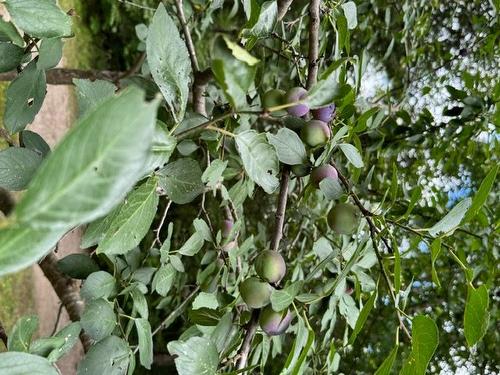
(425, 338)
(132, 222)
(145, 342)
(162, 148)
(452, 220)
(94, 166)
(386, 366)
(163, 279)
(17, 167)
(91, 93)
(233, 75)
(25, 97)
(259, 159)
(11, 56)
(39, 18)
(70, 335)
(476, 316)
(20, 337)
(198, 355)
(282, 298)
(352, 154)
(482, 194)
(182, 180)
(109, 356)
(98, 320)
(169, 62)
(289, 147)
(50, 53)
(265, 21)
(9, 33)
(23, 246)
(18, 363)
(99, 284)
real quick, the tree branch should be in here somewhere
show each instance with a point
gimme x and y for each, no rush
(200, 78)
(283, 6)
(280, 213)
(63, 76)
(247, 341)
(312, 74)
(68, 292)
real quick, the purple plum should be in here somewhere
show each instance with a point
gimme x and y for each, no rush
(325, 114)
(294, 95)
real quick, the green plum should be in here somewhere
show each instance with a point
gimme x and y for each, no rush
(255, 292)
(270, 266)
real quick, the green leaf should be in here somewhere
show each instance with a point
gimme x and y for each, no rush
(435, 251)
(331, 188)
(50, 53)
(39, 18)
(181, 180)
(281, 299)
(9, 33)
(97, 229)
(98, 320)
(169, 61)
(91, 93)
(176, 263)
(109, 356)
(363, 315)
(12, 56)
(77, 266)
(140, 303)
(193, 245)
(386, 366)
(221, 335)
(162, 148)
(327, 90)
(163, 279)
(98, 285)
(240, 53)
(352, 154)
(300, 349)
(476, 315)
(25, 97)
(213, 174)
(452, 220)
(350, 12)
(94, 166)
(197, 355)
(132, 222)
(16, 363)
(145, 342)
(22, 246)
(289, 147)
(265, 21)
(22, 333)
(70, 335)
(205, 316)
(482, 194)
(425, 338)
(46, 345)
(17, 167)
(34, 142)
(259, 159)
(234, 76)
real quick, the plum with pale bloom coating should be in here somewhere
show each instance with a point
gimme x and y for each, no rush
(318, 174)
(344, 218)
(325, 114)
(315, 133)
(274, 323)
(255, 292)
(273, 98)
(295, 95)
(270, 266)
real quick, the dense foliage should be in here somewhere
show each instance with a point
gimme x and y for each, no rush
(303, 187)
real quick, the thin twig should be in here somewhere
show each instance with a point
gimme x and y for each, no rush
(127, 2)
(160, 226)
(58, 318)
(280, 212)
(283, 6)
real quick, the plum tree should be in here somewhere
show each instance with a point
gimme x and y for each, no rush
(318, 174)
(255, 292)
(274, 323)
(270, 266)
(295, 95)
(315, 133)
(344, 218)
(325, 114)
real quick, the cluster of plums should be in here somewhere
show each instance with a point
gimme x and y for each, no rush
(256, 292)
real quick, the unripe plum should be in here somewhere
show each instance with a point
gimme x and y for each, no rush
(301, 170)
(270, 266)
(325, 114)
(315, 133)
(294, 95)
(343, 218)
(273, 98)
(255, 293)
(318, 174)
(274, 323)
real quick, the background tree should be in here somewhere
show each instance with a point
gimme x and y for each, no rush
(229, 227)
